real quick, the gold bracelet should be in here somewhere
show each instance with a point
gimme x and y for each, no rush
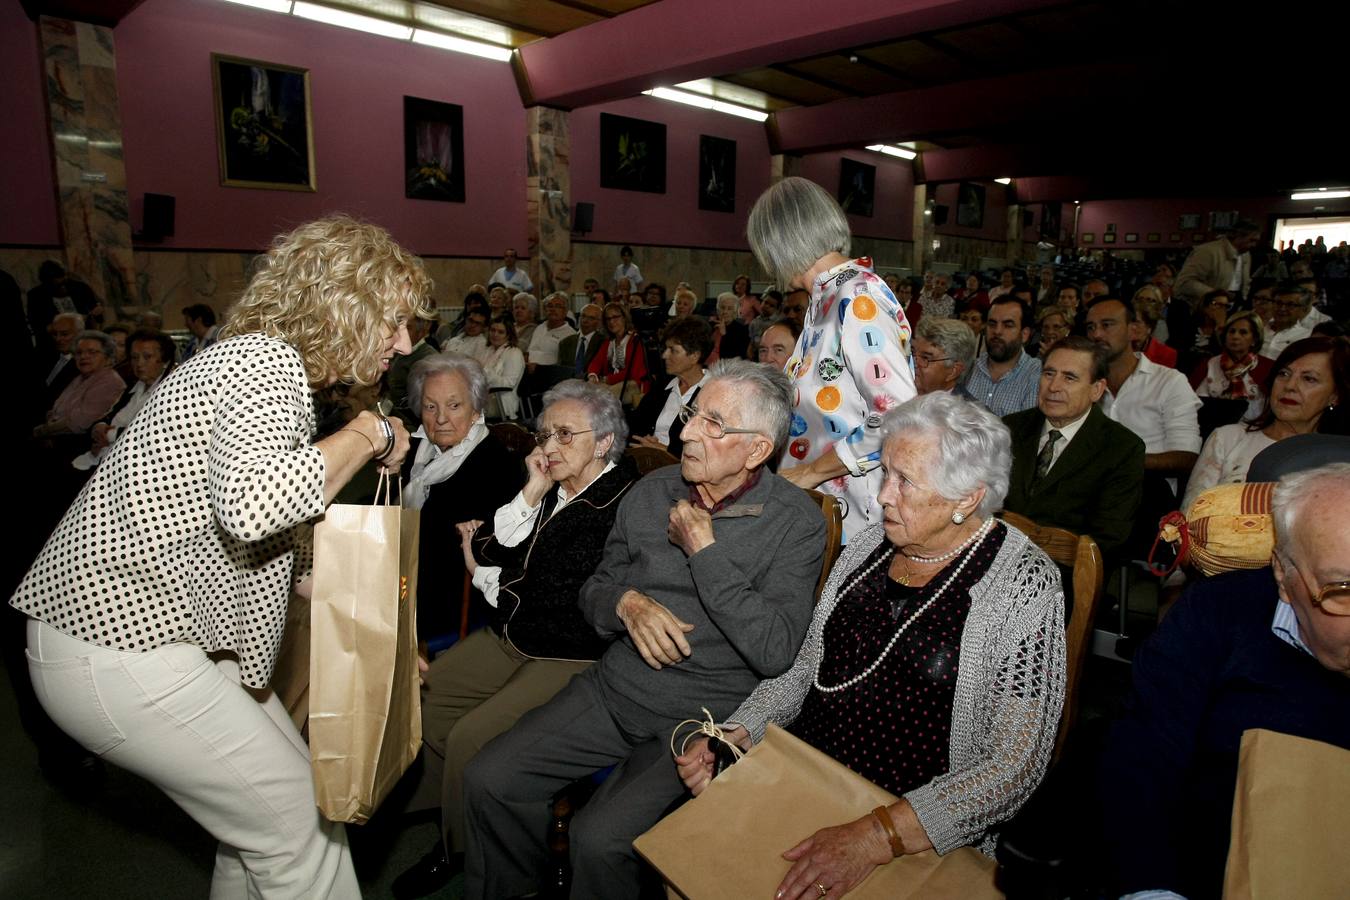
(368, 440)
(883, 816)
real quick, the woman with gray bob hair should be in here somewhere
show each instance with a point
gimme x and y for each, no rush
(605, 412)
(793, 224)
(851, 362)
(935, 663)
(468, 368)
(974, 447)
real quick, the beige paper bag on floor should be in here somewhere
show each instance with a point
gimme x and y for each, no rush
(1291, 817)
(365, 724)
(727, 844)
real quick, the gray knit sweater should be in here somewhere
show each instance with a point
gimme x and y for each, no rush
(1009, 691)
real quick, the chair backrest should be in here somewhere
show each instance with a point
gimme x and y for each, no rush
(516, 438)
(1081, 553)
(648, 459)
(834, 535)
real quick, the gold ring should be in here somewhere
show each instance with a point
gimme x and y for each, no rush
(823, 890)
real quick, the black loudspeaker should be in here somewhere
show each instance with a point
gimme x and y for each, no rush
(583, 217)
(157, 216)
(1027, 218)
(939, 214)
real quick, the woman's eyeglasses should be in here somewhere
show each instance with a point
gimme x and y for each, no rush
(564, 436)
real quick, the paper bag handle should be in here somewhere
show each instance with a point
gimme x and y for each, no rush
(386, 486)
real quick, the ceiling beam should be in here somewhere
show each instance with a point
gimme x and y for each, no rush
(976, 105)
(595, 63)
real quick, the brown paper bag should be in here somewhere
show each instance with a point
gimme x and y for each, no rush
(290, 675)
(1291, 815)
(727, 844)
(365, 724)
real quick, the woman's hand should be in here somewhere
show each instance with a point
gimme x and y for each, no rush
(836, 859)
(592, 377)
(394, 461)
(466, 532)
(368, 424)
(538, 482)
(802, 477)
(695, 765)
(98, 435)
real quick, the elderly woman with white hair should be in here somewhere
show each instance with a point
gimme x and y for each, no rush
(935, 662)
(525, 311)
(93, 392)
(851, 363)
(540, 550)
(731, 336)
(456, 471)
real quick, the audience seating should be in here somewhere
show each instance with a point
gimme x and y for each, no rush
(648, 459)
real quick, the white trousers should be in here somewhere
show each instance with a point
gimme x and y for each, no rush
(234, 763)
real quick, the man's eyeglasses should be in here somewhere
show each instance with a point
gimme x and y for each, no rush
(924, 360)
(711, 427)
(1333, 598)
(564, 436)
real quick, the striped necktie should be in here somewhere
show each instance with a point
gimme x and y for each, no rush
(1047, 454)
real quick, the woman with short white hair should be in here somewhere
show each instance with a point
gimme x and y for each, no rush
(852, 361)
(525, 309)
(935, 664)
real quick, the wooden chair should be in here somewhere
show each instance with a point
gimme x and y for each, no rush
(1079, 552)
(648, 459)
(834, 535)
(516, 438)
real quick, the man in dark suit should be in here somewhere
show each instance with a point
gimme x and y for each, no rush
(1072, 466)
(577, 350)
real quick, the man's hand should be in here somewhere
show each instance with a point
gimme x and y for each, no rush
(656, 632)
(690, 528)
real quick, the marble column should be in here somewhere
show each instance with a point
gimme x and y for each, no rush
(923, 230)
(1014, 232)
(548, 198)
(86, 135)
(784, 165)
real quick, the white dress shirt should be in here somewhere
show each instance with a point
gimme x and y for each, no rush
(674, 400)
(1158, 405)
(544, 343)
(517, 279)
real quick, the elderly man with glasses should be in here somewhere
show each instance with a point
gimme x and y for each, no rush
(944, 351)
(1268, 649)
(706, 582)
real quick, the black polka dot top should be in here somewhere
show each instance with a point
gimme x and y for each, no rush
(187, 531)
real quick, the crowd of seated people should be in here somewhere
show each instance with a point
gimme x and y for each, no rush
(619, 606)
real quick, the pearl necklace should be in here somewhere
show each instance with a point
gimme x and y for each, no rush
(979, 533)
(843, 685)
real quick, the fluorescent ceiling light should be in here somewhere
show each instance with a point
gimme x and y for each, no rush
(352, 20)
(460, 45)
(279, 6)
(892, 150)
(1003, 180)
(1320, 194)
(744, 112)
(704, 102)
(427, 15)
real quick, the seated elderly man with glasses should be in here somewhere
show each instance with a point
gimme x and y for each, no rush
(1268, 649)
(706, 582)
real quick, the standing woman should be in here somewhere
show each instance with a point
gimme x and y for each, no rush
(505, 365)
(851, 363)
(158, 604)
(621, 360)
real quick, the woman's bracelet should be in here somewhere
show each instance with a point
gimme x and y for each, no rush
(883, 816)
(363, 434)
(388, 438)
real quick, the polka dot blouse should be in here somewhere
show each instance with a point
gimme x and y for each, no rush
(894, 727)
(188, 530)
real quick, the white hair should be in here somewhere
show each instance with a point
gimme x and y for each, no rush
(763, 397)
(531, 302)
(1293, 493)
(952, 336)
(974, 447)
(442, 363)
(794, 224)
(602, 407)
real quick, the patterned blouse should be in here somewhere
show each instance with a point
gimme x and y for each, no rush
(187, 531)
(894, 726)
(851, 364)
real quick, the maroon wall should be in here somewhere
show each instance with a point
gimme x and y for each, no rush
(893, 209)
(27, 195)
(1162, 216)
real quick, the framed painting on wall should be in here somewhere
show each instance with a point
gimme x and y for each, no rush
(433, 150)
(1087, 237)
(263, 130)
(1189, 221)
(1050, 221)
(716, 174)
(1154, 237)
(1174, 237)
(1198, 237)
(857, 187)
(632, 154)
(1131, 237)
(1109, 237)
(970, 205)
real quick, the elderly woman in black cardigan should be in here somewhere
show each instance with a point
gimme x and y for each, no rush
(543, 546)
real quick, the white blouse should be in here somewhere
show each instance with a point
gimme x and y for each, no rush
(187, 532)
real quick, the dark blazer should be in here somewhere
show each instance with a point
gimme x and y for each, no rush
(1093, 488)
(642, 421)
(567, 352)
(542, 576)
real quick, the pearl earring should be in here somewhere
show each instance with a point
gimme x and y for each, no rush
(958, 517)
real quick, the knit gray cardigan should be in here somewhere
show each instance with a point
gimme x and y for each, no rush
(1009, 691)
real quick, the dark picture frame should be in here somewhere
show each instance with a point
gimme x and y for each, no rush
(264, 130)
(1109, 237)
(1050, 221)
(1088, 237)
(857, 187)
(970, 205)
(632, 154)
(1174, 237)
(1131, 237)
(1154, 237)
(433, 150)
(716, 174)
(1189, 221)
